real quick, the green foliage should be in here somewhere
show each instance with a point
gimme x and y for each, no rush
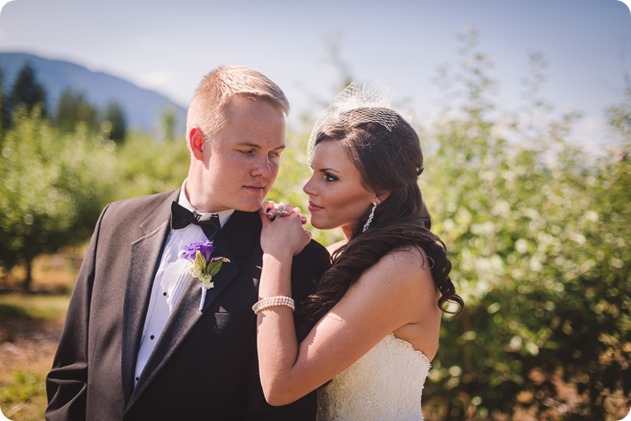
(115, 122)
(169, 123)
(145, 166)
(4, 112)
(56, 182)
(620, 116)
(540, 241)
(72, 109)
(54, 186)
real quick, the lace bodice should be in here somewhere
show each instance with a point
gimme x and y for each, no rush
(384, 384)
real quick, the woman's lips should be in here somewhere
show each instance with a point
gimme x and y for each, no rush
(313, 207)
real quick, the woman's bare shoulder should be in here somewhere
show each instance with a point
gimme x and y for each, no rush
(407, 258)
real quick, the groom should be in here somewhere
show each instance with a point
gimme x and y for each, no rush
(140, 341)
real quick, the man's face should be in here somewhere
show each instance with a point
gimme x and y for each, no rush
(242, 159)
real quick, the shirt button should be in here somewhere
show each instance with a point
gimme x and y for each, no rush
(137, 378)
(151, 337)
(164, 293)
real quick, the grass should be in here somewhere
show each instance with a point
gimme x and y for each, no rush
(29, 330)
(24, 396)
(30, 325)
(17, 307)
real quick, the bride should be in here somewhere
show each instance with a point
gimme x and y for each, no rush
(378, 308)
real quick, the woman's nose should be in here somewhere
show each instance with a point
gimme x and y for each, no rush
(308, 187)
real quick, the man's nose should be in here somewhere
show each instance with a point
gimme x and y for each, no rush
(263, 167)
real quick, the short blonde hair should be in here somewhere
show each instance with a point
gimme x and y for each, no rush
(219, 86)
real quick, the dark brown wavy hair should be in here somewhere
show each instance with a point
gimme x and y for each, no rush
(388, 160)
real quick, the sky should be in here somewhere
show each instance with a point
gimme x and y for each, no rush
(168, 46)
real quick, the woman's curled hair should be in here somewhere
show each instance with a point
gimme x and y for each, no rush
(389, 159)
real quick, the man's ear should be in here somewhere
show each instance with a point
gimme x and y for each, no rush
(196, 142)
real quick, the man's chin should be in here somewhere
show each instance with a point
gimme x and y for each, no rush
(249, 207)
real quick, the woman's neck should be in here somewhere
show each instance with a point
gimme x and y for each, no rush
(347, 230)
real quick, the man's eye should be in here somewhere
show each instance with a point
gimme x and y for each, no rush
(248, 151)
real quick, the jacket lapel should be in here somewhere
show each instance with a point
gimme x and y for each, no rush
(234, 240)
(144, 261)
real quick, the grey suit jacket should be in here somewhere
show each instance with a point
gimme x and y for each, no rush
(204, 365)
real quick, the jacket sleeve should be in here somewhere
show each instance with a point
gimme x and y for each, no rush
(66, 383)
(307, 268)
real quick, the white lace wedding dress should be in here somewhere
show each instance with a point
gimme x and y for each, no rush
(384, 384)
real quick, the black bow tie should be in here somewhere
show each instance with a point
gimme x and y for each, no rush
(181, 217)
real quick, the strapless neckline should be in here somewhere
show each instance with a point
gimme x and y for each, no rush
(386, 383)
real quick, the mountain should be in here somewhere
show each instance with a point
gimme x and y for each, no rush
(143, 108)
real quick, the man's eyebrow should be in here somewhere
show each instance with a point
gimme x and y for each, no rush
(248, 144)
(254, 145)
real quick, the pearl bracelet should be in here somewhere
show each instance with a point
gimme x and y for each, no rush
(277, 301)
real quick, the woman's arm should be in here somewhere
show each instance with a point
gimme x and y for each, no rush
(383, 299)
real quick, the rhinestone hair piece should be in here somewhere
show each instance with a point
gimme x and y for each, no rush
(372, 102)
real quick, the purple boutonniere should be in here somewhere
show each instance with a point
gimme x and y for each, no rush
(203, 265)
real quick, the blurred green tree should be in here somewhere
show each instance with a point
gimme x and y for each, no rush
(27, 92)
(169, 123)
(4, 113)
(543, 269)
(53, 188)
(619, 117)
(115, 122)
(145, 166)
(73, 108)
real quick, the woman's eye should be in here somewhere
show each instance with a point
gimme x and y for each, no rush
(330, 177)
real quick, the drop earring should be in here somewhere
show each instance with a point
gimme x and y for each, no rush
(370, 217)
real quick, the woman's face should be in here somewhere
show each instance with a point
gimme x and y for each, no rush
(337, 197)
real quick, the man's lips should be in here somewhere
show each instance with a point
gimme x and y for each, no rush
(255, 188)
